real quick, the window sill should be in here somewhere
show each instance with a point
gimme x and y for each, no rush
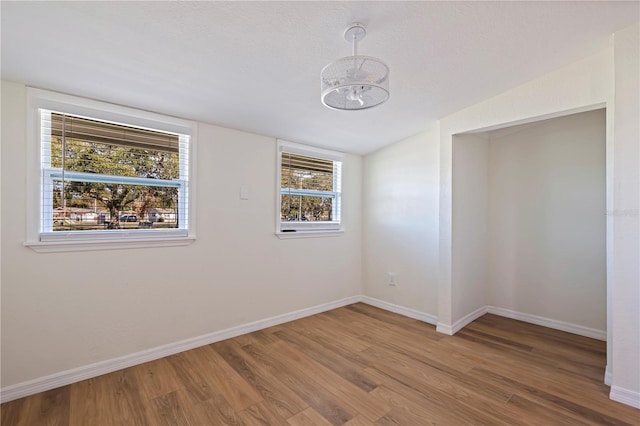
(91, 245)
(309, 234)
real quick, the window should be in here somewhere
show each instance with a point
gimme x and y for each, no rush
(108, 175)
(309, 196)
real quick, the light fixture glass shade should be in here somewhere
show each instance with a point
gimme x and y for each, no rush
(354, 82)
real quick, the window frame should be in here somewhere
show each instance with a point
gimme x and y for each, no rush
(41, 241)
(310, 229)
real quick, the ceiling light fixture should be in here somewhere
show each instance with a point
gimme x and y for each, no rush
(354, 82)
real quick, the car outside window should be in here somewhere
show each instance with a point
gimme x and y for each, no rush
(109, 173)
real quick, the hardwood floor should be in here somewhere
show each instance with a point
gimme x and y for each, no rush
(356, 366)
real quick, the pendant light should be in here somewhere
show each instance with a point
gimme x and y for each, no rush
(354, 82)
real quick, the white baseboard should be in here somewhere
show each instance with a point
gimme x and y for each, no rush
(407, 312)
(550, 323)
(41, 384)
(532, 319)
(608, 376)
(462, 322)
(625, 396)
(444, 329)
(63, 378)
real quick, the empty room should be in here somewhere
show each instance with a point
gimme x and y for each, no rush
(320, 213)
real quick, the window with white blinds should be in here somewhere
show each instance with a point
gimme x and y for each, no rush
(106, 178)
(310, 195)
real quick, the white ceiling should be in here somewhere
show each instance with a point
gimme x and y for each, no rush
(256, 65)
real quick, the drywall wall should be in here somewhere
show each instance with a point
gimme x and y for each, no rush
(579, 86)
(66, 310)
(625, 293)
(547, 219)
(400, 227)
(470, 238)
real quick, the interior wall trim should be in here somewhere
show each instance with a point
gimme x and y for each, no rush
(580, 330)
(19, 390)
(41, 384)
(608, 376)
(461, 323)
(402, 310)
(549, 323)
(625, 396)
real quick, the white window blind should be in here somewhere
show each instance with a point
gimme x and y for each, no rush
(310, 194)
(103, 180)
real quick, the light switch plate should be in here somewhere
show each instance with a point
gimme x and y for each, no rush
(244, 192)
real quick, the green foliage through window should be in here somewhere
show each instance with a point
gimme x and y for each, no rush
(308, 189)
(106, 150)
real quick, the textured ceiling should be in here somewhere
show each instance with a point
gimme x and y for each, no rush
(256, 65)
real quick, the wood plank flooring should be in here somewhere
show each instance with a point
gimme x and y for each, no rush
(355, 366)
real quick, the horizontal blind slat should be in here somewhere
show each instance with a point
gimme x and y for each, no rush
(112, 134)
(295, 161)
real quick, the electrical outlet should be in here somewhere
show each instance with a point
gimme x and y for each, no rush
(391, 279)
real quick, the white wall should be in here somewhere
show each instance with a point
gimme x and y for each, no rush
(580, 86)
(585, 85)
(66, 310)
(625, 294)
(231, 275)
(470, 237)
(400, 227)
(547, 219)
